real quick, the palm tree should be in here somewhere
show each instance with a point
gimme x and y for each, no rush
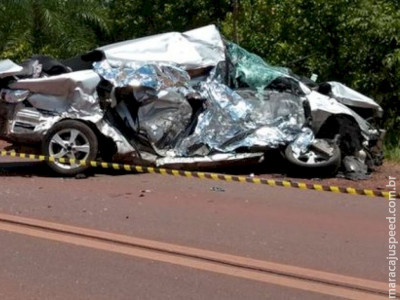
(60, 28)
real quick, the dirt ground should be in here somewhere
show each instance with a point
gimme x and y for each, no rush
(376, 181)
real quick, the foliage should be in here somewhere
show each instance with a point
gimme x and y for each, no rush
(392, 153)
(136, 18)
(60, 28)
(356, 42)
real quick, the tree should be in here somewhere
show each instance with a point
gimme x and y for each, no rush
(60, 28)
(137, 18)
(356, 42)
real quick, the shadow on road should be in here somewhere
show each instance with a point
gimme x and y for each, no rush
(23, 168)
(40, 169)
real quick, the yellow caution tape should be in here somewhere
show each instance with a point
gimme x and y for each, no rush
(203, 175)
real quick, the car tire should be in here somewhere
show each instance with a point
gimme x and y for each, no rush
(70, 139)
(314, 163)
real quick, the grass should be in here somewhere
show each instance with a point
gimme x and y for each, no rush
(391, 144)
(392, 153)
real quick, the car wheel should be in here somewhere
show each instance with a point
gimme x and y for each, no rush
(70, 139)
(322, 159)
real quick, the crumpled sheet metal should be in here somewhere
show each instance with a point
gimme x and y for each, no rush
(164, 113)
(9, 68)
(153, 76)
(351, 97)
(222, 120)
(194, 49)
(165, 119)
(252, 69)
(231, 121)
(210, 161)
(28, 124)
(71, 95)
(303, 141)
(162, 119)
(13, 96)
(228, 122)
(123, 146)
(273, 105)
(248, 68)
(274, 121)
(60, 85)
(323, 106)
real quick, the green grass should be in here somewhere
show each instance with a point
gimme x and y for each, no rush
(392, 153)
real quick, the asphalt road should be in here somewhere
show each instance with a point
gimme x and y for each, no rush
(339, 234)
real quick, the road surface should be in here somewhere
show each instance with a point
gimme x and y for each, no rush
(147, 236)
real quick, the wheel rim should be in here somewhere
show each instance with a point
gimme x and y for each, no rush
(69, 144)
(312, 156)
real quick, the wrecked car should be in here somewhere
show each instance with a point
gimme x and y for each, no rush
(188, 99)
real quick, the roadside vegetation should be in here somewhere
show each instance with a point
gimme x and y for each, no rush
(356, 42)
(392, 153)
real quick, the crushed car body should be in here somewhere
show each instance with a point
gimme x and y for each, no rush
(190, 99)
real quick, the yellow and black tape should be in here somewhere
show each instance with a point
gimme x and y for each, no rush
(204, 175)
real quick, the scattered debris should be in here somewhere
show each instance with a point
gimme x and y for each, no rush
(217, 189)
(81, 176)
(355, 168)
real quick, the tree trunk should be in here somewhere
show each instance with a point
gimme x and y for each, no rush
(37, 30)
(235, 21)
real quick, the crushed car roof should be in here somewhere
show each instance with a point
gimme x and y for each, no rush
(245, 102)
